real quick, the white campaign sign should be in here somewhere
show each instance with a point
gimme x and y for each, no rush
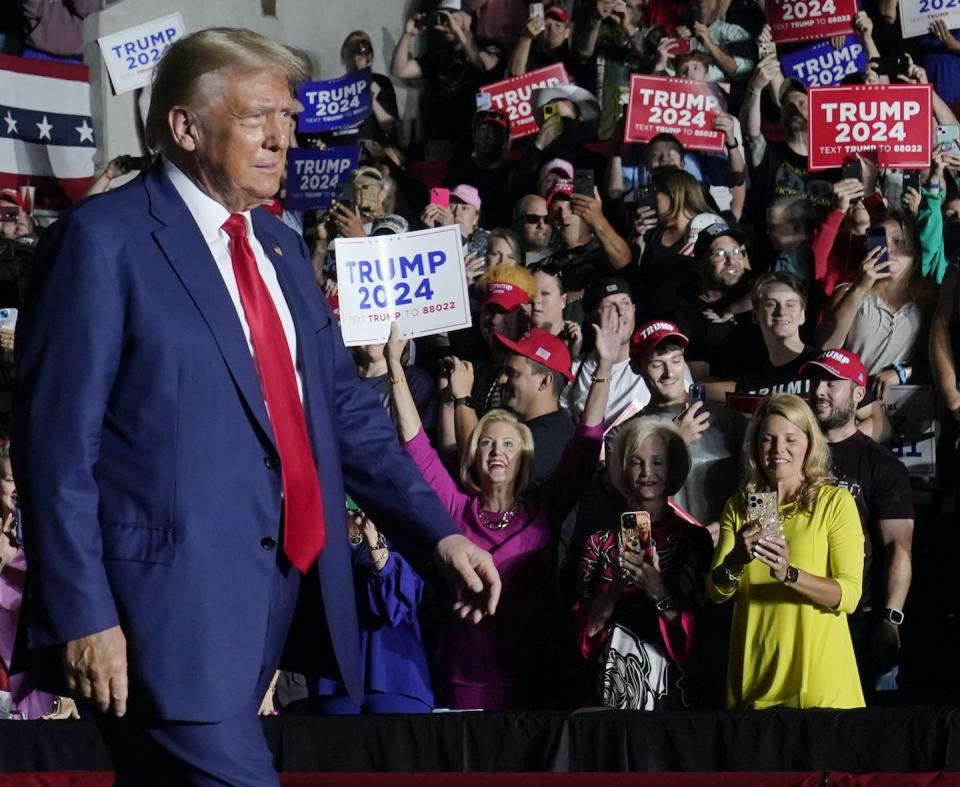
(416, 278)
(911, 414)
(132, 54)
(916, 15)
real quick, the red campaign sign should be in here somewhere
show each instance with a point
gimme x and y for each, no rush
(894, 122)
(682, 107)
(513, 96)
(810, 20)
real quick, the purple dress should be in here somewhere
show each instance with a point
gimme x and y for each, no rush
(24, 701)
(525, 655)
(395, 674)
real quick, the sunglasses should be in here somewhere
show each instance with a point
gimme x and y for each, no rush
(536, 218)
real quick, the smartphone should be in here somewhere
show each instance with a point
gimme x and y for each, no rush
(911, 180)
(477, 243)
(698, 393)
(368, 196)
(765, 48)
(345, 194)
(549, 111)
(762, 510)
(877, 236)
(439, 196)
(647, 197)
(9, 212)
(682, 46)
(949, 137)
(636, 531)
(852, 168)
(536, 9)
(583, 182)
(8, 319)
(893, 66)
(134, 163)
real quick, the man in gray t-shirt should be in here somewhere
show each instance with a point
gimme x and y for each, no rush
(713, 433)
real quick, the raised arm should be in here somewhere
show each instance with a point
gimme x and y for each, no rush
(839, 315)
(590, 209)
(402, 64)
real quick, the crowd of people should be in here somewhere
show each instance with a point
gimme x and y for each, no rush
(654, 359)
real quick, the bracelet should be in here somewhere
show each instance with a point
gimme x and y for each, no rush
(464, 401)
(732, 577)
(734, 146)
(666, 604)
(381, 544)
(599, 379)
(399, 381)
(901, 371)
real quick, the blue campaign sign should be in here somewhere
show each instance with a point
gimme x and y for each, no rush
(821, 64)
(314, 176)
(331, 104)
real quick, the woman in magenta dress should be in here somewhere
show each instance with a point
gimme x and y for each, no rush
(524, 656)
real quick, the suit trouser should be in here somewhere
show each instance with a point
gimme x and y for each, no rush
(148, 751)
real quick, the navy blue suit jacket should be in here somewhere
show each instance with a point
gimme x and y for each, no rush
(144, 456)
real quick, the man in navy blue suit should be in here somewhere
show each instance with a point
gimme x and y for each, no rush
(187, 423)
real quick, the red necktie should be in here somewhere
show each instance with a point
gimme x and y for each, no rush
(304, 533)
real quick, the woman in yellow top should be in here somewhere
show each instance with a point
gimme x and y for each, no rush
(789, 644)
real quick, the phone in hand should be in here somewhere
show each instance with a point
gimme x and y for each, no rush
(949, 138)
(893, 66)
(9, 212)
(583, 182)
(681, 46)
(440, 196)
(765, 48)
(698, 393)
(536, 9)
(647, 197)
(911, 180)
(636, 532)
(852, 168)
(762, 510)
(877, 237)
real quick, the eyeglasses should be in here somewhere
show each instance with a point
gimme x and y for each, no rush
(536, 218)
(722, 254)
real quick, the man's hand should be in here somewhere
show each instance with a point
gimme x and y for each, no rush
(63, 708)
(590, 209)
(702, 33)
(534, 27)
(610, 334)
(461, 376)
(863, 24)
(693, 422)
(471, 569)
(724, 122)
(847, 191)
(765, 71)
(96, 669)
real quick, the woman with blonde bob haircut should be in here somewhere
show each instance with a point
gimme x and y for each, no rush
(499, 664)
(794, 577)
(637, 606)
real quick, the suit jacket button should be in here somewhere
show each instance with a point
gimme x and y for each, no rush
(268, 543)
(272, 462)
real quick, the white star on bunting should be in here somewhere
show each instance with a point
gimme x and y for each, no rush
(45, 128)
(11, 123)
(86, 133)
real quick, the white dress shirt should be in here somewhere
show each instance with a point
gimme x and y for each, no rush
(210, 216)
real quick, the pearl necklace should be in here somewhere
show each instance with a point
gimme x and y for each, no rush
(500, 520)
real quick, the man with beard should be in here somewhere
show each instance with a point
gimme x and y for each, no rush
(531, 221)
(881, 487)
(716, 316)
(779, 169)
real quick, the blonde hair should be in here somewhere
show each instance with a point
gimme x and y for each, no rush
(177, 78)
(468, 459)
(511, 274)
(816, 464)
(626, 442)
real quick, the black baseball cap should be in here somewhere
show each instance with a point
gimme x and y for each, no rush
(600, 289)
(709, 234)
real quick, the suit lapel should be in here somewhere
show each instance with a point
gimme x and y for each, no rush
(189, 256)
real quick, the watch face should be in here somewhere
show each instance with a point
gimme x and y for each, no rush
(895, 616)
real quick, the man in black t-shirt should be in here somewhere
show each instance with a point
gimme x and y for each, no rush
(881, 488)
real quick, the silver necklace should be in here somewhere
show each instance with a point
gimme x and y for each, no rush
(499, 520)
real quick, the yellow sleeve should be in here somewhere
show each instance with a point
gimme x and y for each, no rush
(729, 525)
(845, 537)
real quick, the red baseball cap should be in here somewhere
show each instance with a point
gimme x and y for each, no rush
(562, 188)
(842, 364)
(646, 338)
(505, 296)
(543, 347)
(555, 12)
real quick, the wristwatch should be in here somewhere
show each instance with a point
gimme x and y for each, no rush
(466, 401)
(666, 604)
(895, 616)
(793, 574)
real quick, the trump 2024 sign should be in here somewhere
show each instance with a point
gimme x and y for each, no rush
(810, 20)
(892, 123)
(682, 107)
